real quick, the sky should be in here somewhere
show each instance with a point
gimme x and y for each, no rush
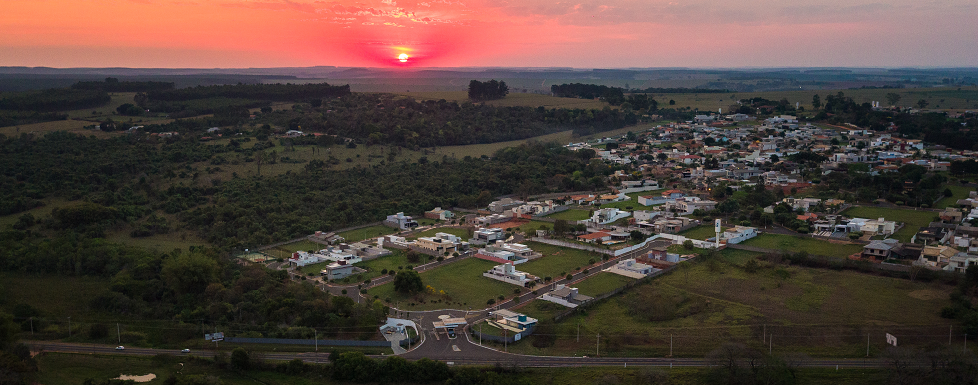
(515, 33)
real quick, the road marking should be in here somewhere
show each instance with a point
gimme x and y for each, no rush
(455, 348)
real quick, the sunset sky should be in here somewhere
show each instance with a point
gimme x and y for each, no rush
(443, 33)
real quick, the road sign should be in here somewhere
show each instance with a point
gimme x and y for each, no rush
(891, 339)
(207, 337)
(216, 337)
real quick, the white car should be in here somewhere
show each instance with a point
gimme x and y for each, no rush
(120, 348)
(185, 351)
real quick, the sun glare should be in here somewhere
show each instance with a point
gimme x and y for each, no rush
(403, 57)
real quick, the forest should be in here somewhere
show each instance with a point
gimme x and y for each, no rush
(55, 99)
(114, 85)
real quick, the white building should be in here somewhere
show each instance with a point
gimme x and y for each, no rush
(632, 269)
(302, 258)
(336, 270)
(508, 273)
(608, 215)
(738, 234)
(401, 221)
(485, 236)
(567, 296)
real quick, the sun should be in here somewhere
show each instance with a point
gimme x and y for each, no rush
(403, 57)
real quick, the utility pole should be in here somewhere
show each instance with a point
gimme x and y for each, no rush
(770, 345)
(578, 331)
(597, 347)
(316, 336)
(480, 334)
(69, 326)
(32, 326)
(867, 344)
(764, 338)
(670, 345)
(949, 331)
(118, 332)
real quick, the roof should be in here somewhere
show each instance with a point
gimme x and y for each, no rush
(596, 235)
(880, 245)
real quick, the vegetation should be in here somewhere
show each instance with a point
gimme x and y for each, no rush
(114, 85)
(490, 90)
(571, 215)
(557, 261)
(815, 246)
(457, 285)
(912, 220)
(602, 283)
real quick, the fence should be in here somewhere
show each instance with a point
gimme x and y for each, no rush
(287, 341)
(572, 245)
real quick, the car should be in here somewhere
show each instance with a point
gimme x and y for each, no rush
(451, 335)
(120, 348)
(185, 351)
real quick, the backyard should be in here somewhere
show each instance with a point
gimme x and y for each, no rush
(913, 220)
(793, 244)
(462, 282)
(557, 260)
(703, 304)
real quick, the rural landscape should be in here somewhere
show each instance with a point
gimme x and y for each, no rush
(271, 192)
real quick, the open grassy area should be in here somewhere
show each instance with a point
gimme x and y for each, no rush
(701, 232)
(960, 192)
(557, 260)
(367, 233)
(808, 310)
(302, 246)
(912, 219)
(462, 282)
(396, 261)
(794, 244)
(571, 215)
(602, 283)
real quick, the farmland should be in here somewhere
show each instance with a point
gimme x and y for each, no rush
(706, 303)
(912, 219)
(793, 244)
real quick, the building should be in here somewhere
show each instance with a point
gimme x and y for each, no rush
(567, 296)
(688, 205)
(513, 319)
(395, 242)
(508, 273)
(608, 215)
(302, 259)
(489, 220)
(632, 269)
(520, 250)
(504, 204)
(878, 226)
(439, 214)
(738, 234)
(879, 250)
(595, 237)
(486, 236)
(441, 243)
(336, 270)
(401, 221)
(932, 235)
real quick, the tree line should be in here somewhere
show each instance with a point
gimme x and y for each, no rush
(56, 99)
(489, 90)
(114, 85)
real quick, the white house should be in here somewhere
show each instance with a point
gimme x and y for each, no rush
(878, 226)
(302, 258)
(567, 296)
(508, 273)
(632, 269)
(337, 270)
(401, 221)
(608, 215)
(738, 234)
(484, 236)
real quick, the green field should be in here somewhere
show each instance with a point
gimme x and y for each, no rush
(367, 233)
(960, 192)
(707, 303)
(462, 282)
(571, 215)
(602, 283)
(912, 219)
(702, 232)
(395, 261)
(557, 260)
(794, 244)
(302, 246)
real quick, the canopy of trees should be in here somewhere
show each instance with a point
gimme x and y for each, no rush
(58, 99)
(114, 85)
(490, 90)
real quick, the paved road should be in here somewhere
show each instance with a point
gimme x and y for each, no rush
(443, 350)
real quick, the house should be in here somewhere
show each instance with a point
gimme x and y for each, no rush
(879, 250)
(293, 134)
(213, 130)
(665, 196)
(608, 215)
(951, 215)
(507, 273)
(511, 319)
(931, 235)
(486, 236)
(630, 186)
(401, 221)
(395, 242)
(632, 269)
(688, 205)
(302, 258)
(489, 220)
(878, 226)
(441, 243)
(595, 237)
(438, 214)
(959, 262)
(520, 250)
(670, 225)
(504, 204)
(336, 270)
(567, 296)
(738, 234)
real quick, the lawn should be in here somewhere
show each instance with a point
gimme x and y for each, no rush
(705, 304)
(557, 260)
(302, 246)
(702, 232)
(602, 283)
(458, 232)
(960, 192)
(912, 219)
(571, 215)
(396, 261)
(367, 233)
(462, 282)
(794, 244)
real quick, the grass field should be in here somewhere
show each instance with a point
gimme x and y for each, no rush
(571, 215)
(702, 232)
(707, 303)
(960, 192)
(367, 233)
(602, 283)
(557, 260)
(302, 246)
(811, 245)
(462, 282)
(912, 219)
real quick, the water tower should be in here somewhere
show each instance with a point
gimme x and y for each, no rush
(717, 228)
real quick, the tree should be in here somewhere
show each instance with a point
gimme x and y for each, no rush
(240, 359)
(816, 102)
(490, 90)
(561, 227)
(892, 98)
(408, 281)
(688, 244)
(189, 272)
(922, 103)
(637, 235)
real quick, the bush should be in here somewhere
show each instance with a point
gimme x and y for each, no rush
(98, 331)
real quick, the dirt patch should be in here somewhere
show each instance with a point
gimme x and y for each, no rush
(143, 378)
(927, 294)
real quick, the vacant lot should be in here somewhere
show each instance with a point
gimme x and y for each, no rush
(302, 245)
(557, 261)
(367, 233)
(702, 232)
(602, 283)
(706, 303)
(794, 244)
(462, 282)
(912, 219)
(571, 215)
(960, 192)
